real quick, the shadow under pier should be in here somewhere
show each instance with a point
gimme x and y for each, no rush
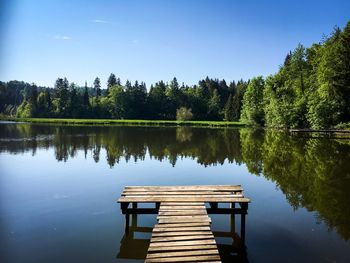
(132, 247)
(135, 247)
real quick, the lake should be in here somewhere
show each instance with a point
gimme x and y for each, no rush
(59, 186)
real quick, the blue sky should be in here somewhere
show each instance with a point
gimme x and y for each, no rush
(150, 40)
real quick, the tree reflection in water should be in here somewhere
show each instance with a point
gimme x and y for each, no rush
(312, 173)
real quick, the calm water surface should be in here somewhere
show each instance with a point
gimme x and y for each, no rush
(59, 185)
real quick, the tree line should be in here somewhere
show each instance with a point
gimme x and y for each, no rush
(310, 89)
(206, 101)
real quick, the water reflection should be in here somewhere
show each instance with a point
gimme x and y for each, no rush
(134, 246)
(131, 246)
(312, 173)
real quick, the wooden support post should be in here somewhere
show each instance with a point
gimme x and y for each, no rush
(243, 229)
(232, 220)
(157, 205)
(134, 216)
(213, 205)
(127, 223)
(124, 207)
(134, 220)
(244, 212)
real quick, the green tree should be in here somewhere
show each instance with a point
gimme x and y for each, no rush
(238, 98)
(29, 107)
(44, 104)
(116, 102)
(112, 80)
(252, 110)
(61, 97)
(157, 101)
(229, 110)
(25, 110)
(74, 102)
(135, 100)
(86, 101)
(97, 87)
(214, 106)
(285, 93)
(173, 95)
(329, 104)
(183, 114)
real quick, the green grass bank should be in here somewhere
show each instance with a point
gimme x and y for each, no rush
(125, 122)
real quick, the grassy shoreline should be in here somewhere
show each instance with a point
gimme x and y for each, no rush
(125, 122)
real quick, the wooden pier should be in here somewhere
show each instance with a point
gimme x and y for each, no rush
(183, 232)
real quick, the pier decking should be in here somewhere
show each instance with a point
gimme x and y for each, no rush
(183, 232)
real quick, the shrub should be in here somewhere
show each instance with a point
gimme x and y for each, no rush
(183, 114)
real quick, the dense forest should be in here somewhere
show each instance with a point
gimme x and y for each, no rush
(310, 89)
(205, 101)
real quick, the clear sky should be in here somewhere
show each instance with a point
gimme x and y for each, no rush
(150, 40)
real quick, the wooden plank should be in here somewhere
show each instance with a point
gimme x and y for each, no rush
(183, 248)
(181, 207)
(179, 192)
(189, 224)
(182, 217)
(184, 243)
(181, 210)
(181, 233)
(184, 259)
(189, 220)
(174, 221)
(183, 253)
(150, 199)
(127, 193)
(177, 229)
(181, 204)
(187, 187)
(181, 238)
(184, 191)
(183, 196)
(182, 213)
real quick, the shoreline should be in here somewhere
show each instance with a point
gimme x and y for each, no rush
(158, 123)
(129, 122)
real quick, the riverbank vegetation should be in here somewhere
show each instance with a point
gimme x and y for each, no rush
(125, 122)
(310, 90)
(164, 101)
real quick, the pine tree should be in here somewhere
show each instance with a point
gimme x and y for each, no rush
(97, 87)
(229, 109)
(86, 101)
(111, 81)
(62, 94)
(128, 85)
(214, 106)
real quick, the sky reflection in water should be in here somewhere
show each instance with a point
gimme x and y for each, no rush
(59, 184)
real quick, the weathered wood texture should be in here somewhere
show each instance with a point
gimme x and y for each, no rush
(182, 235)
(179, 194)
